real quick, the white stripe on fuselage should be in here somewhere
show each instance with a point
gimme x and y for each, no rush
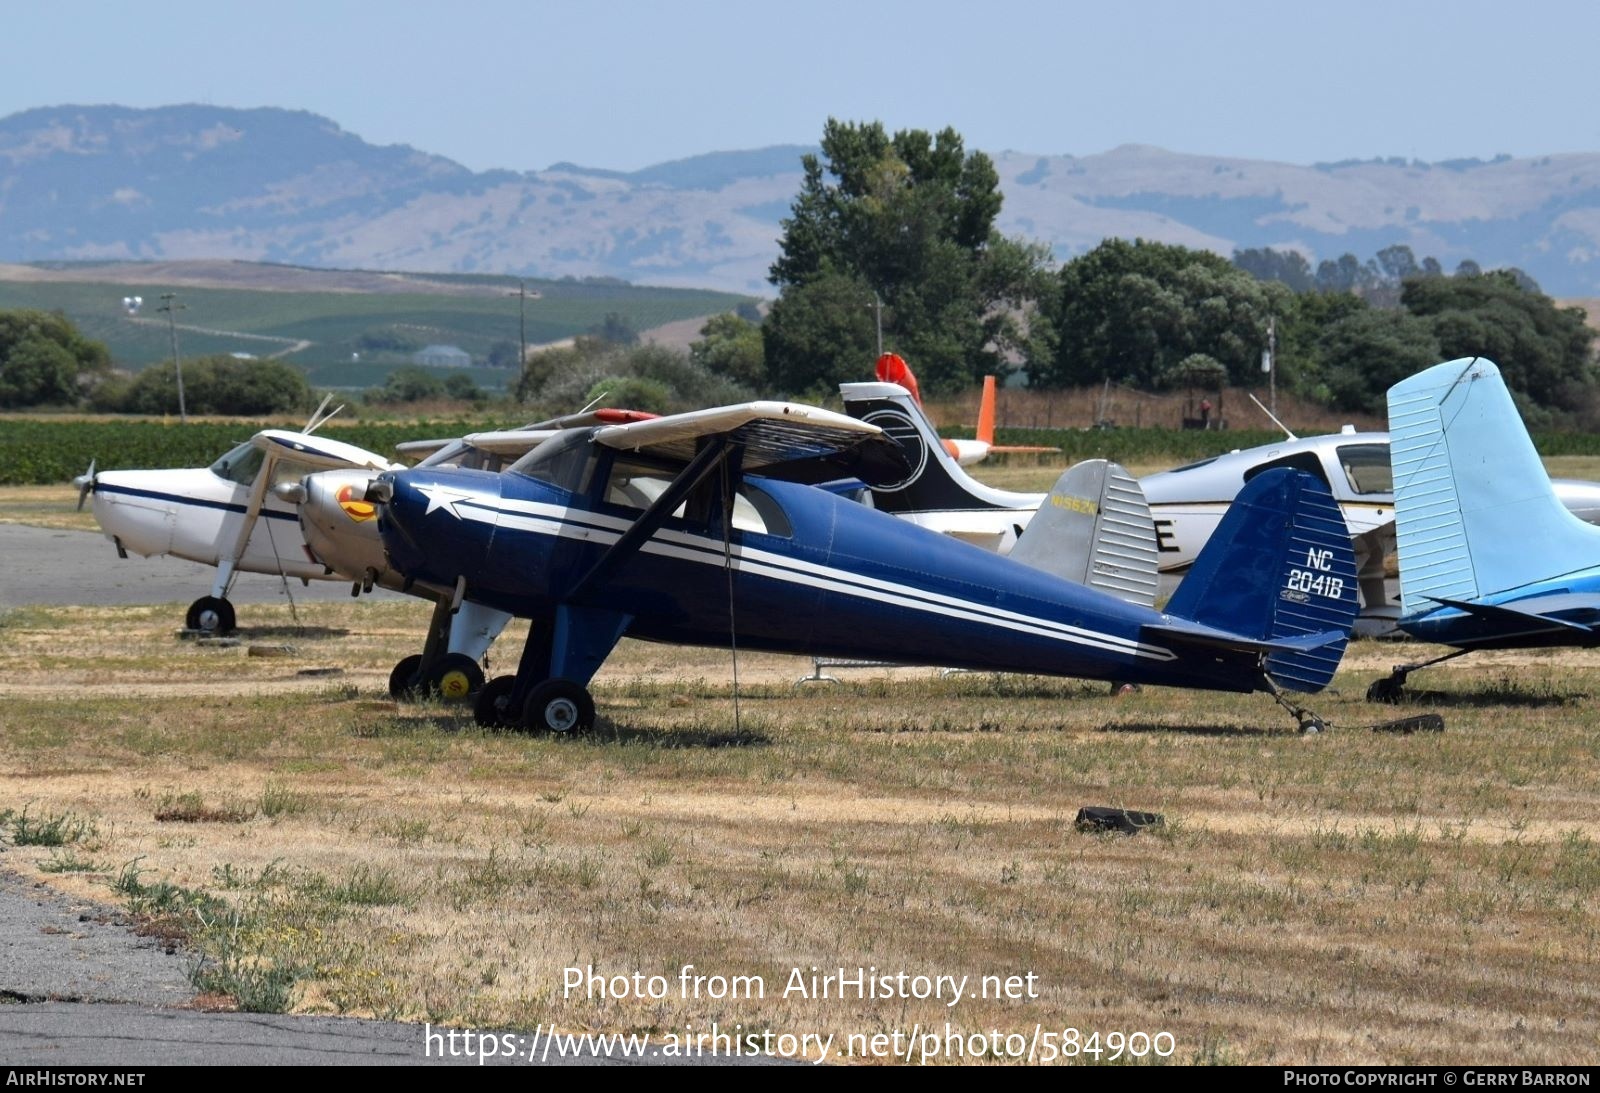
(558, 521)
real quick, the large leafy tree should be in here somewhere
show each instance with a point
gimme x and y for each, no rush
(902, 225)
(730, 345)
(1546, 352)
(42, 356)
(1131, 312)
(220, 384)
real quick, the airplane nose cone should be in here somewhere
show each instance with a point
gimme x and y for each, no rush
(340, 525)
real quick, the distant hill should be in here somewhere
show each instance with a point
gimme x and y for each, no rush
(105, 182)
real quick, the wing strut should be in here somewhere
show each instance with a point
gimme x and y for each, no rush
(705, 461)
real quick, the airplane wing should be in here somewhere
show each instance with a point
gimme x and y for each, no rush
(779, 439)
(514, 443)
(317, 451)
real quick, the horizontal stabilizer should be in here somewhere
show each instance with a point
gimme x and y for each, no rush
(1177, 632)
(1524, 614)
(1095, 529)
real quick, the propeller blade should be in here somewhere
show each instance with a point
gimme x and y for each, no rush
(85, 484)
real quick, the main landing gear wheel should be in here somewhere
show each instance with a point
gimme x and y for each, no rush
(210, 614)
(558, 706)
(493, 709)
(455, 678)
(1388, 689)
(406, 677)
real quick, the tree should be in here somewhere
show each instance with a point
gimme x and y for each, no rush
(220, 385)
(1545, 353)
(615, 329)
(820, 333)
(1367, 351)
(1287, 266)
(731, 346)
(646, 377)
(503, 354)
(905, 224)
(42, 357)
(409, 383)
(1130, 312)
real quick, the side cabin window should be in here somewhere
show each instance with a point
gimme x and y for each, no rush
(240, 465)
(1367, 467)
(1300, 461)
(635, 483)
(755, 510)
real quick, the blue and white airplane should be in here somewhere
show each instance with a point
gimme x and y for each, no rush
(1489, 556)
(700, 529)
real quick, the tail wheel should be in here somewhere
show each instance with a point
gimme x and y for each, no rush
(493, 709)
(455, 678)
(558, 706)
(211, 615)
(406, 676)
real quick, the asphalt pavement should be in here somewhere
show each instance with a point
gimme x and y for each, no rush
(51, 566)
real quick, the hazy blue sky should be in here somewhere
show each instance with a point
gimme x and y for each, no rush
(619, 84)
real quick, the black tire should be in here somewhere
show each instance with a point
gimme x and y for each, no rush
(1388, 689)
(455, 678)
(558, 706)
(210, 615)
(405, 679)
(493, 709)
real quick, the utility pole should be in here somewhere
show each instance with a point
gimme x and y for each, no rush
(1269, 365)
(172, 307)
(522, 295)
(877, 311)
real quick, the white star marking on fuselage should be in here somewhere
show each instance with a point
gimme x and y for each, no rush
(443, 497)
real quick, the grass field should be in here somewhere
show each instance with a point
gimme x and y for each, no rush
(1355, 897)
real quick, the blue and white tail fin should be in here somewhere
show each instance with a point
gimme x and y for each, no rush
(1475, 513)
(1278, 575)
(936, 482)
(1095, 528)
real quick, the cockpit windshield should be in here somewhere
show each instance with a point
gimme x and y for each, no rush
(240, 465)
(565, 460)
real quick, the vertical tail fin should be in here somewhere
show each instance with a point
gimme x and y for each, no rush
(937, 482)
(1278, 567)
(1096, 529)
(1475, 513)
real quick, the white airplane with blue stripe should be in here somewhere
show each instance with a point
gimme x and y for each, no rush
(704, 529)
(1490, 558)
(225, 515)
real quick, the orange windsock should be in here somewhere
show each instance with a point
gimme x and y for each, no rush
(892, 368)
(986, 412)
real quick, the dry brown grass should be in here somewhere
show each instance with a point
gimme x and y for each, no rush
(1354, 897)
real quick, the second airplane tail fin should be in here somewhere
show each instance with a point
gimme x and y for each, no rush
(1475, 513)
(1279, 573)
(936, 481)
(1095, 528)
